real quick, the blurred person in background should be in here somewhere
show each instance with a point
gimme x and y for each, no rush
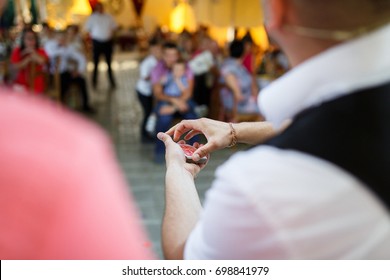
(249, 59)
(72, 66)
(101, 28)
(144, 86)
(239, 92)
(317, 189)
(201, 64)
(180, 101)
(46, 34)
(29, 63)
(74, 38)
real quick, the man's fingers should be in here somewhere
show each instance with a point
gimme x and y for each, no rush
(201, 152)
(180, 129)
(177, 131)
(191, 134)
(165, 138)
(172, 129)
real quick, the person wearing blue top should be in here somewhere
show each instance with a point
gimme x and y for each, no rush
(177, 87)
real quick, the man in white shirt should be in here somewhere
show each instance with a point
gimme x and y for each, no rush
(72, 67)
(101, 27)
(319, 189)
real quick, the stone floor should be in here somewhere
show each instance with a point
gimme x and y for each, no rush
(119, 113)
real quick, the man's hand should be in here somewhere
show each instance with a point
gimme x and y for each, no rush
(180, 105)
(175, 157)
(218, 134)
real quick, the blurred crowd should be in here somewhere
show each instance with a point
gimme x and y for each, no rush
(182, 76)
(42, 61)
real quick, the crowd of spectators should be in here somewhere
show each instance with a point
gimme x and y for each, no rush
(183, 76)
(42, 61)
(188, 76)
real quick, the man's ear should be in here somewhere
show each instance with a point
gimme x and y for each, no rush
(275, 13)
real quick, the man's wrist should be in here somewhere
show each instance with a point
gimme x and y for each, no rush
(233, 135)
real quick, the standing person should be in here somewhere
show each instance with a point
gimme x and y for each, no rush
(320, 188)
(29, 61)
(201, 65)
(101, 27)
(144, 86)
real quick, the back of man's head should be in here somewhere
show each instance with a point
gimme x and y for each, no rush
(341, 14)
(318, 25)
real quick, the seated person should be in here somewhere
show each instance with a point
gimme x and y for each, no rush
(239, 94)
(28, 61)
(172, 87)
(175, 83)
(72, 67)
(74, 38)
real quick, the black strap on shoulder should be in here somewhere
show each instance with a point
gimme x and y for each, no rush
(352, 132)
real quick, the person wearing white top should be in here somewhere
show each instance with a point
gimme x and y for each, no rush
(144, 86)
(101, 27)
(317, 189)
(72, 67)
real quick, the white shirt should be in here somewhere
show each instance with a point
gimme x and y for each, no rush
(144, 85)
(268, 203)
(201, 63)
(100, 26)
(70, 57)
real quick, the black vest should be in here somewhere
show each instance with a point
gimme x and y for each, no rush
(352, 132)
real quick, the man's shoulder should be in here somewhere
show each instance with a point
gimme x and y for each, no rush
(159, 71)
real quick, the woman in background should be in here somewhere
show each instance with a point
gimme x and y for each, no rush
(238, 94)
(29, 61)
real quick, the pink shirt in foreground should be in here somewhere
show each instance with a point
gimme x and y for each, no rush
(62, 194)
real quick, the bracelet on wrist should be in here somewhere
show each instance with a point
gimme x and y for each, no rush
(234, 136)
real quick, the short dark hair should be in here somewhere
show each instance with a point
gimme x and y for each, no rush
(154, 42)
(236, 49)
(170, 45)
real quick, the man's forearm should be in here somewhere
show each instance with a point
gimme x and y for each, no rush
(182, 209)
(254, 132)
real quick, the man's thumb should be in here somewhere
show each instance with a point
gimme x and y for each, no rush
(164, 137)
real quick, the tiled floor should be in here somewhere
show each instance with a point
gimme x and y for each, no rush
(119, 113)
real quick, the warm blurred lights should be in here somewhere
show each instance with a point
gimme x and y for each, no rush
(183, 17)
(81, 7)
(180, 17)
